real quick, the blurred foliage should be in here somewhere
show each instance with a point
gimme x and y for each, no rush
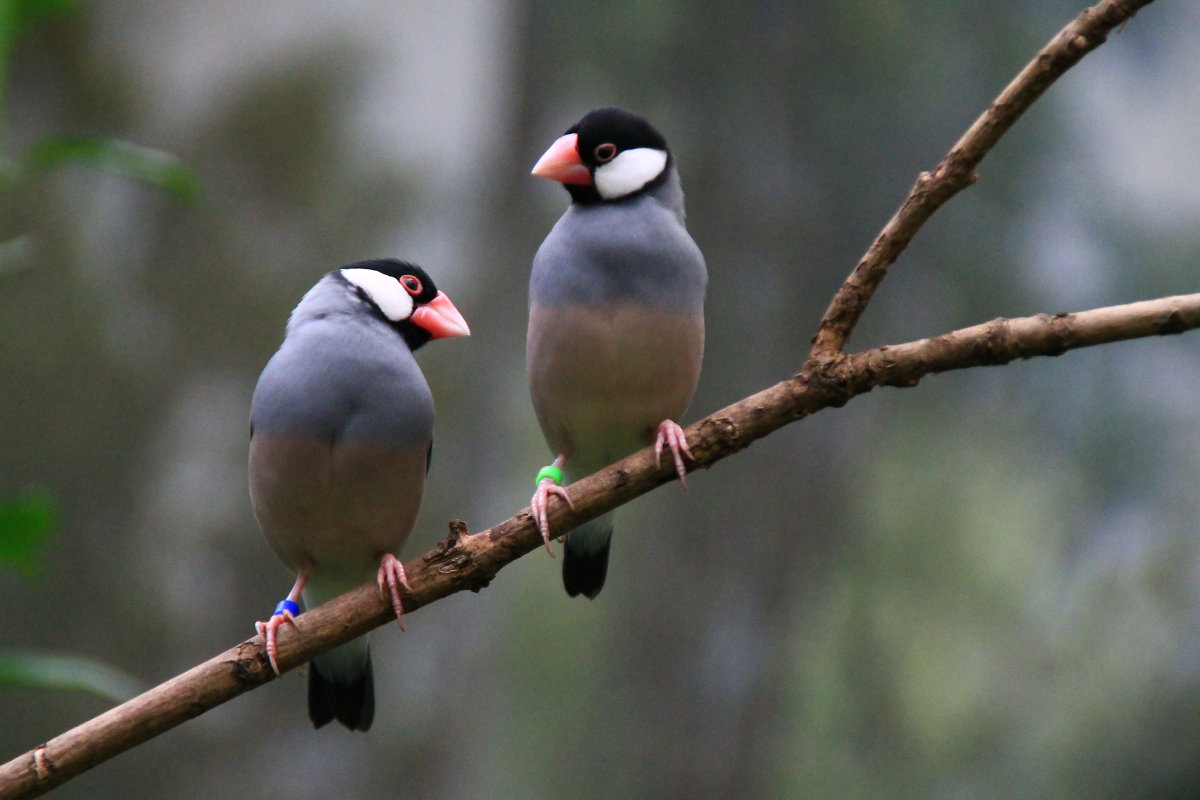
(18, 16)
(25, 527)
(161, 170)
(27, 522)
(153, 167)
(37, 670)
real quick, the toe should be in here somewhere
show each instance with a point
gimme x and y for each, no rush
(540, 506)
(272, 646)
(670, 435)
(391, 577)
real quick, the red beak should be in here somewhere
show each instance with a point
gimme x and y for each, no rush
(441, 318)
(561, 162)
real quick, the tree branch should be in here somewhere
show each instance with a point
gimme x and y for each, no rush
(956, 171)
(828, 379)
(470, 562)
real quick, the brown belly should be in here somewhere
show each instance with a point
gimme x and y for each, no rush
(602, 380)
(334, 510)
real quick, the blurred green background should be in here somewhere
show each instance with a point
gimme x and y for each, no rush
(986, 586)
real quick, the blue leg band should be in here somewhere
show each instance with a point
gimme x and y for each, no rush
(287, 605)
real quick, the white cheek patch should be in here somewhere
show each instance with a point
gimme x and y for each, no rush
(384, 290)
(629, 171)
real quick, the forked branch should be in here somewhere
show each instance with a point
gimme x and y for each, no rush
(956, 171)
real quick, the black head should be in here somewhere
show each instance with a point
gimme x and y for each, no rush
(605, 133)
(404, 296)
(608, 155)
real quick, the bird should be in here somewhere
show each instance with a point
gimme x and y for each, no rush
(616, 319)
(341, 433)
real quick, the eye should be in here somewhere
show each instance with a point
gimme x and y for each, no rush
(411, 284)
(605, 152)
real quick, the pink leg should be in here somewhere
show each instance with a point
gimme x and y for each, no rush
(391, 578)
(671, 435)
(267, 629)
(540, 504)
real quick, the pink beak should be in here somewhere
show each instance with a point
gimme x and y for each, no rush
(441, 318)
(561, 162)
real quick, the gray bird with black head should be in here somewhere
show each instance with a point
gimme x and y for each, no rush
(616, 317)
(341, 430)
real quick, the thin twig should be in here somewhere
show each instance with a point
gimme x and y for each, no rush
(956, 171)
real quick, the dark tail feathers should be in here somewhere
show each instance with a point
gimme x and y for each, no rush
(585, 557)
(352, 704)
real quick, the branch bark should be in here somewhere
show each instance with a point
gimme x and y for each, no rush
(829, 379)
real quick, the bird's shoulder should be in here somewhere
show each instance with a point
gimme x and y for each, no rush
(327, 372)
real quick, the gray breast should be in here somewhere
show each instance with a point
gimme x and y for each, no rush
(636, 250)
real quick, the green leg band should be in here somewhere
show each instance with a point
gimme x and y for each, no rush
(552, 472)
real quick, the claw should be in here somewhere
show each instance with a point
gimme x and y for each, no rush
(267, 631)
(540, 505)
(672, 436)
(391, 577)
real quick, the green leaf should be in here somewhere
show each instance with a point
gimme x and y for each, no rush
(144, 164)
(40, 670)
(25, 525)
(30, 10)
(20, 15)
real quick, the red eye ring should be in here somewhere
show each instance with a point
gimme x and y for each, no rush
(605, 152)
(411, 284)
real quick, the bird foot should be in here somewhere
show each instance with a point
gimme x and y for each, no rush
(267, 631)
(285, 613)
(391, 578)
(671, 435)
(540, 506)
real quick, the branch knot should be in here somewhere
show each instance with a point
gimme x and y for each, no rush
(450, 557)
